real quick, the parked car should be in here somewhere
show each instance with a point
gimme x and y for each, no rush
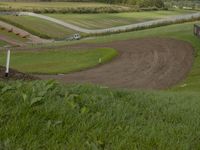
(74, 37)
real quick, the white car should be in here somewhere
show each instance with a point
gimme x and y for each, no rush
(76, 36)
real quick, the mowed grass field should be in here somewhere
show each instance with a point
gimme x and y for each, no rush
(39, 27)
(57, 61)
(107, 20)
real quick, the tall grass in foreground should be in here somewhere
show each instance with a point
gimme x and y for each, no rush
(46, 115)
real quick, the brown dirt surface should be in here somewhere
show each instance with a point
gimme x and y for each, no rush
(15, 75)
(149, 63)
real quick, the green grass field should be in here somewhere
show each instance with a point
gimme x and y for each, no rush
(38, 26)
(57, 61)
(46, 115)
(99, 21)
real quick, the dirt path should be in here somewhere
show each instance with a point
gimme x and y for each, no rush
(150, 63)
(146, 24)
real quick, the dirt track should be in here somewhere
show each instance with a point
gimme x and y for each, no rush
(151, 63)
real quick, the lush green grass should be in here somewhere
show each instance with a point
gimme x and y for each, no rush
(58, 61)
(96, 21)
(37, 26)
(62, 7)
(44, 115)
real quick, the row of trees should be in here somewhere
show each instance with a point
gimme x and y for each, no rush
(140, 3)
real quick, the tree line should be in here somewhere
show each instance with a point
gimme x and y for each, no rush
(139, 3)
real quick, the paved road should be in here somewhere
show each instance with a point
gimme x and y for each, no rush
(119, 28)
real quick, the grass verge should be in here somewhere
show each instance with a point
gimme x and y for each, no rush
(45, 115)
(57, 61)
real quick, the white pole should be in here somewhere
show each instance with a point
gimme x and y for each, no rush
(7, 63)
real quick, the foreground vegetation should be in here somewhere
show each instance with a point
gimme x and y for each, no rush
(58, 61)
(100, 21)
(45, 115)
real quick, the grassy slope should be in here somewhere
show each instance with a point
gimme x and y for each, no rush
(12, 36)
(57, 61)
(2, 43)
(96, 21)
(43, 115)
(37, 26)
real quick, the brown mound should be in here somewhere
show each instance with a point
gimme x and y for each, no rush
(150, 63)
(16, 75)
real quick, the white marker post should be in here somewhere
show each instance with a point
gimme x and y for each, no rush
(7, 63)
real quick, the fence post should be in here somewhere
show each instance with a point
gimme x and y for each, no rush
(7, 63)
